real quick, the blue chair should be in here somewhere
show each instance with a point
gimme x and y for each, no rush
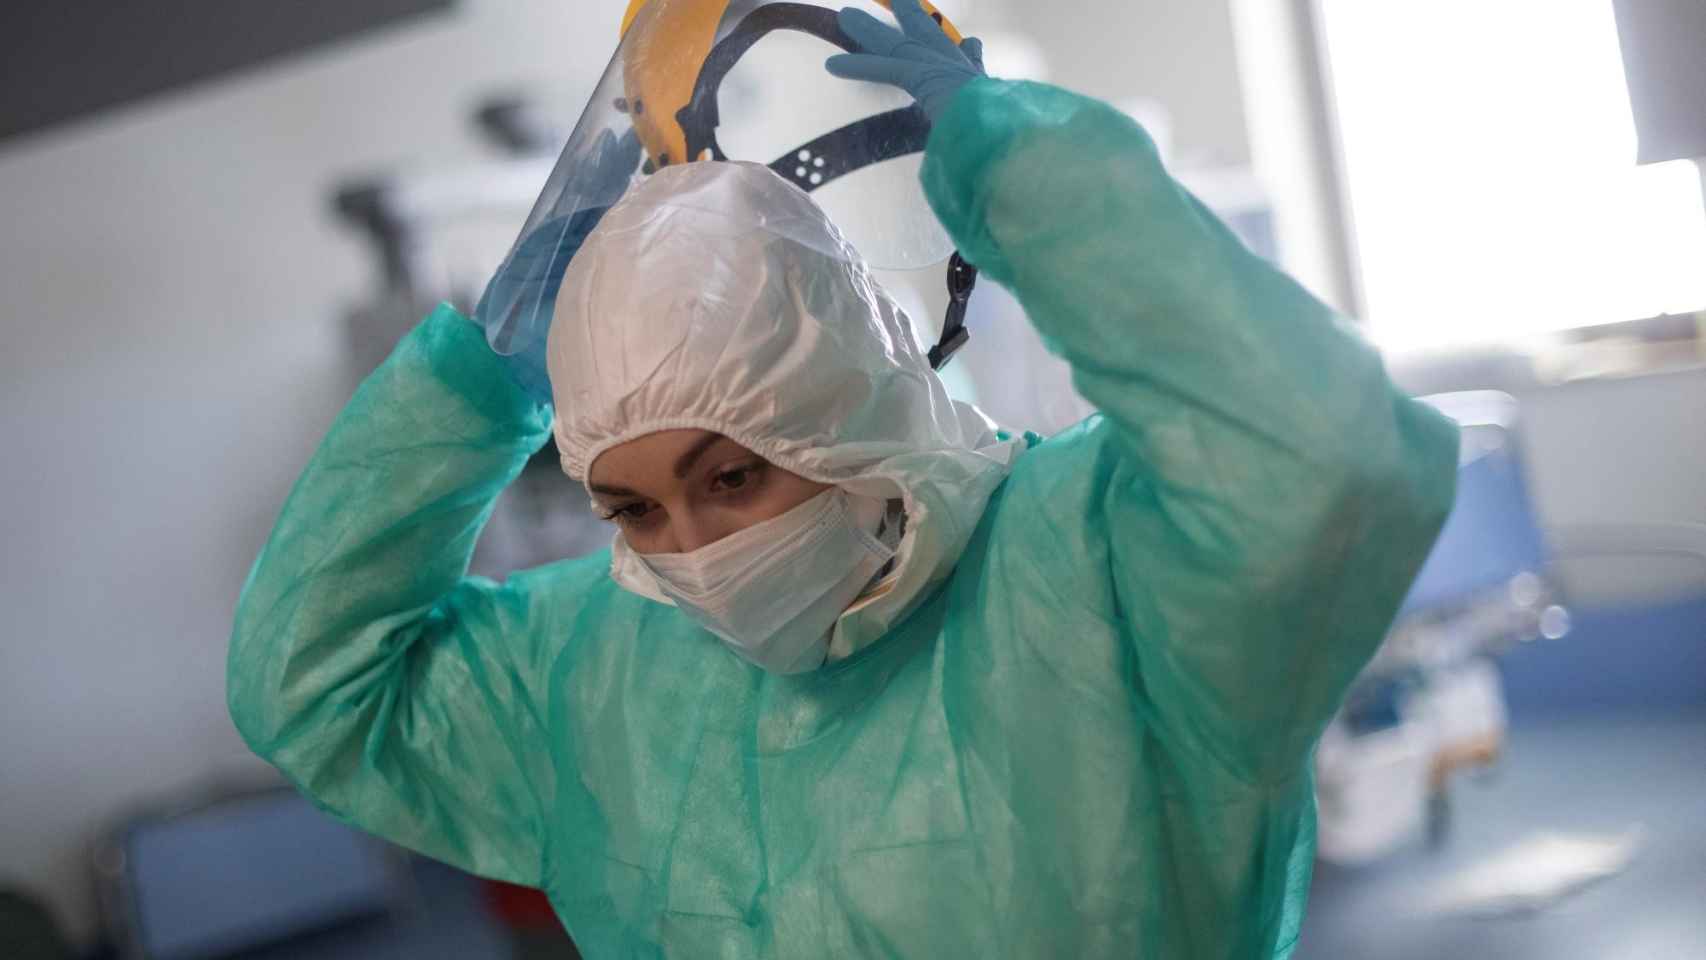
(239, 873)
(1492, 538)
(1486, 586)
(264, 874)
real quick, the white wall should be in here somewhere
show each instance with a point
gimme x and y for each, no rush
(1180, 53)
(1623, 453)
(1290, 144)
(174, 286)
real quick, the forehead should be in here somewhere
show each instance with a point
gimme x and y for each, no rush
(654, 457)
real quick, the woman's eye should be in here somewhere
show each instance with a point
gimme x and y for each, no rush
(629, 512)
(736, 479)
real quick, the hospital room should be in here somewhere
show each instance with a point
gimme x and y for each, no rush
(540, 479)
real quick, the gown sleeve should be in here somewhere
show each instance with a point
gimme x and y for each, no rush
(1269, 494)
(395, 691)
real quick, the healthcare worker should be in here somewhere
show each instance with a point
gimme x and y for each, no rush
(862, 676)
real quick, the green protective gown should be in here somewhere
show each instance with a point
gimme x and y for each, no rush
(1092, 740)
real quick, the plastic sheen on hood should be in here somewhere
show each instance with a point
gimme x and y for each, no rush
(784, 344)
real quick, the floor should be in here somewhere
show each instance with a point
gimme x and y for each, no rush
(1587, 773)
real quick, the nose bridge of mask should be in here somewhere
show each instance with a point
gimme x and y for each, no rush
(779, 604)
(775, 603)
(749, 551)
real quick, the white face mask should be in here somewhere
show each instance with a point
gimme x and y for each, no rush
(773, 591)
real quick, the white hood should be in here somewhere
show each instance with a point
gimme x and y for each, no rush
(718, 296)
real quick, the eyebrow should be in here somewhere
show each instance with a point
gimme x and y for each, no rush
(685, 462)
(600, 488)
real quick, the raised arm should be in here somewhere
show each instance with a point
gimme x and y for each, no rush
(1269, 493)
(388, 686)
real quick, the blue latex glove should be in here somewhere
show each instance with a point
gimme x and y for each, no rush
(918, 58)
(516, 308)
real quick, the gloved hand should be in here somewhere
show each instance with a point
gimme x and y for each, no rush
(516, 308)
(918, 58)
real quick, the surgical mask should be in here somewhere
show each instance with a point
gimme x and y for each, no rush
(774, 591)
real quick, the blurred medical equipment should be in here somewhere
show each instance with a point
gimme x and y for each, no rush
(1587, 844)
(437, 236)
(241, 870)
(1430, 704)
(1433, 702)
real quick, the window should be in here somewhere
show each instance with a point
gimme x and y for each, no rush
(1489, 159)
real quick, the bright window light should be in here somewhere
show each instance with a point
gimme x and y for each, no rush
(1490, 163)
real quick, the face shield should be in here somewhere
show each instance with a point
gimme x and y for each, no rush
(709, 80)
